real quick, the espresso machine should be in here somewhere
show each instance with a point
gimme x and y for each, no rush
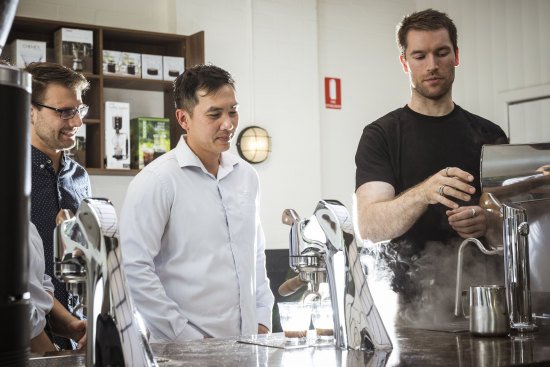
(515, 178)
(322, 249)
(87, 258)
(15, 97)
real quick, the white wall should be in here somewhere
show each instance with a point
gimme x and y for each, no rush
(356, 44)
(280, 51)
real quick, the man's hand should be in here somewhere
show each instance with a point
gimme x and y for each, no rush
(383, 216)
(448, 184)
(262, 329)
(468, 221)
(77, 329)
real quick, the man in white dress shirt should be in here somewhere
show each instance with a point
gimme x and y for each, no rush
(192, 243)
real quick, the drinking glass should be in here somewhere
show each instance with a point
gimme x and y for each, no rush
(295, 319)
(322, 320)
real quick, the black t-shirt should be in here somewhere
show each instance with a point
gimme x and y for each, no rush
(403, 148)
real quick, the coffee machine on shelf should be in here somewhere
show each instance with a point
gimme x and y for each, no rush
(15, 98)
(120, 140)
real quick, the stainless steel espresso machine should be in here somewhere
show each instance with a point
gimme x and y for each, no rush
(15, 96)
(516, 180)
(87, 258)
(323, 250)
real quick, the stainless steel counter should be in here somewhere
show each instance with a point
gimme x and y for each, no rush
(412, 347)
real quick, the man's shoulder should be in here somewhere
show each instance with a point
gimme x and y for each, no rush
(476, 118)
(75, 169)
(485, 124)
(387, 124)
(389, 120)
(163, 165)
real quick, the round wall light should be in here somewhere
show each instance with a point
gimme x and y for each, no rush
(254, 144)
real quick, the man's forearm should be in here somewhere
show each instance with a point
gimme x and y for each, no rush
(42, 344)
(389, 219)
(60, 318)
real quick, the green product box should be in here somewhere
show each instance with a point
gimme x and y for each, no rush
(150, 138)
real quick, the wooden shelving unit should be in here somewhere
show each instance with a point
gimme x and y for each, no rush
(108, 38)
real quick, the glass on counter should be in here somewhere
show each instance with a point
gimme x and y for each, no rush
(322, 320)
(295, 319)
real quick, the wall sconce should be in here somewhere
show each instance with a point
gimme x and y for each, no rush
(254, 144)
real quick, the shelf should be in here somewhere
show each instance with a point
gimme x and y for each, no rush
(112, 172)
(122, 82)
(190, 47)
(91, 77)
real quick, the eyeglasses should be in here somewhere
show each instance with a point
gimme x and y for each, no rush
(67, 113)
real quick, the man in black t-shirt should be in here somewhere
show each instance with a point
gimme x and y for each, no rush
(417, 177)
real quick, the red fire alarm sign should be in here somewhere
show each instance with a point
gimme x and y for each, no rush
(333, 96)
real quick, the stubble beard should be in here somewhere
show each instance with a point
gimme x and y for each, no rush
(434, 95)
(437, 94)
(55, 141)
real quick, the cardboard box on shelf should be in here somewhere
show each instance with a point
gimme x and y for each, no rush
(149, 139)
(22, 52)
(78, 152)
(74, 48)
(173, 66)
(111, 62)
(151, 66)
(117, 132)
(130, 64)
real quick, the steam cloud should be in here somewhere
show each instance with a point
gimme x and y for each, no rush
(427, 298)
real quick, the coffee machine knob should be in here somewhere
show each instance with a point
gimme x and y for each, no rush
(523, 229)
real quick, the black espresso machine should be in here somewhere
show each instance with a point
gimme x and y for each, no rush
(15, 96)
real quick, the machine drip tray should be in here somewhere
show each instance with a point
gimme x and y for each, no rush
(278, 340)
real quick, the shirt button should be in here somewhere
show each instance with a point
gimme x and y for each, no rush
(41, 166)
(49, 161)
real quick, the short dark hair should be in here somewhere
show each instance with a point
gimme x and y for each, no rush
(425, 20)
(44, 73)
(199, 77)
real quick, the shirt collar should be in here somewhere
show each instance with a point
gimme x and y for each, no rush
(40, 157)
(186, 158)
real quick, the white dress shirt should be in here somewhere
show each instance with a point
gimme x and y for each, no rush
(39, 283)
(193, 248)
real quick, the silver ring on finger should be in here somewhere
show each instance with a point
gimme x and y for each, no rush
(447, 171)
(473, 212)
(441, 188)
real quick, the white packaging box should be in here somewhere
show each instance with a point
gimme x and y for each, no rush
(23, 52)
(74, 48)
(111, 62)
(151, 66)
(130, 64)
(117, 135)
(173, 66)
